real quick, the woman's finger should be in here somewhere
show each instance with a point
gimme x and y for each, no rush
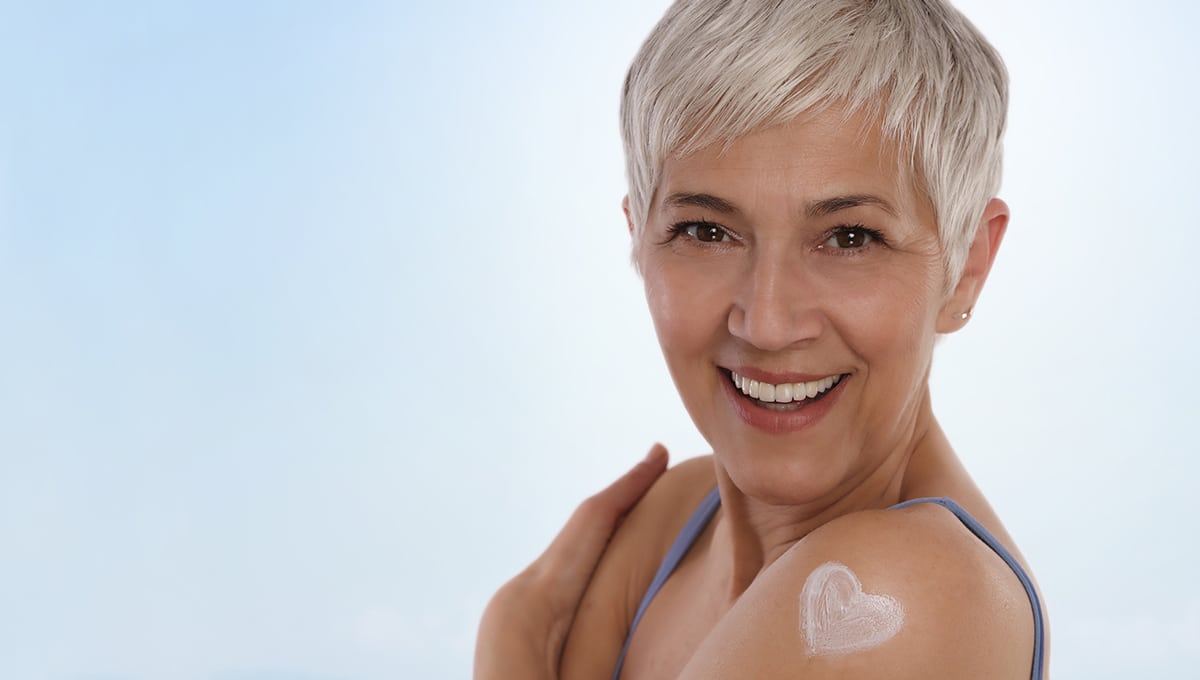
(572, 556)
(524, 626)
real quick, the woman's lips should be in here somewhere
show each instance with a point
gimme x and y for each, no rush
(778, 408)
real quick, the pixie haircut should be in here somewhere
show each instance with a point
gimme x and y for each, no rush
(714, 70)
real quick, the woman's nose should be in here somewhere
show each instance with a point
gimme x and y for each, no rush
(776, 306)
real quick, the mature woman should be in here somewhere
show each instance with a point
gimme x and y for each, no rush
(811, 202)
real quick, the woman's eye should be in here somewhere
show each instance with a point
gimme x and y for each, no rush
(851, 238)
(705, 232)
(709, 233)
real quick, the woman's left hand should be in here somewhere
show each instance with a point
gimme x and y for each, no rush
(526, 622)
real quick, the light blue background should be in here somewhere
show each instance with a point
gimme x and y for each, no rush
(317, 321)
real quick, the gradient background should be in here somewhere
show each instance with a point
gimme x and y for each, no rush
(318, 321)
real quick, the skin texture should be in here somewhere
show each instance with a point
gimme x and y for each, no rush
(760, 279)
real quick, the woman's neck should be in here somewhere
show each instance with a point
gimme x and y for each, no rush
(751, 534)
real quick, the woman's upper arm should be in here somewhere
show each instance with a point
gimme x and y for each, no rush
(884, 594)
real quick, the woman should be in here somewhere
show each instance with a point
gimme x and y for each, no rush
(811, 203)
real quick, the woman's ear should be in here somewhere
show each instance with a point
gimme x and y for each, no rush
(633, 248)
(628, 217)
(988, 235)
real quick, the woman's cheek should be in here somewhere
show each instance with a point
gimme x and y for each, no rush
(687, 299)
(897, 297)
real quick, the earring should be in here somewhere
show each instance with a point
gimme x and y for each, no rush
(965, 315)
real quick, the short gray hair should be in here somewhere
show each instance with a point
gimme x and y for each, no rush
(714, 70)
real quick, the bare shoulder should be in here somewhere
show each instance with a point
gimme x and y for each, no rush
(908, 593)
(656, 519)
(627, 567)
(673, 497)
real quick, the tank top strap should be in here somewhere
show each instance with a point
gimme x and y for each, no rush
(683, 542)
(981, 532)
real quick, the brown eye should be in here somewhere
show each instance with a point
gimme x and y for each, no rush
(708, 233)
(849, 238)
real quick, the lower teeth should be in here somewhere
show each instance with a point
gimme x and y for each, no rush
(776, 406)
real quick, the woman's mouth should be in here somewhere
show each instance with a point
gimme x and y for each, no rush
(786, 396)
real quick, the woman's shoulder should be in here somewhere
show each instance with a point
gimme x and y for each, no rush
(648, 531)
(628, 566)
(899, 593)
(668, 504)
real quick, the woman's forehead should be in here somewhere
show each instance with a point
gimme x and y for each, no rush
(804, 161)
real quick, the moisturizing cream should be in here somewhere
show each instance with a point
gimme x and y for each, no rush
(837, 617)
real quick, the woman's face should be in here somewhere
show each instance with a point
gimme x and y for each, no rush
(798, 258)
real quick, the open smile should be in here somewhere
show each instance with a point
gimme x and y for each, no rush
(779, 408)
(785, 396)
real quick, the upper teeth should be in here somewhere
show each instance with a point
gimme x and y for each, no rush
(784, 393)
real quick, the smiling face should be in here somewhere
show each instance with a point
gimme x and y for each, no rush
(796, 284)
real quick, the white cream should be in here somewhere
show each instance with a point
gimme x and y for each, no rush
(837, 617)
(785, 393)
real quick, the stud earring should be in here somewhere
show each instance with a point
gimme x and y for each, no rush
(965, 315)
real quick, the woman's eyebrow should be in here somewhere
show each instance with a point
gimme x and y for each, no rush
(818, 208)
(708, 201)
(828, 206)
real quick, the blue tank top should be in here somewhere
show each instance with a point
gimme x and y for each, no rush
(708, 507)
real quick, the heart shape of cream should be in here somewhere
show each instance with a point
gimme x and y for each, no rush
(839, 618)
